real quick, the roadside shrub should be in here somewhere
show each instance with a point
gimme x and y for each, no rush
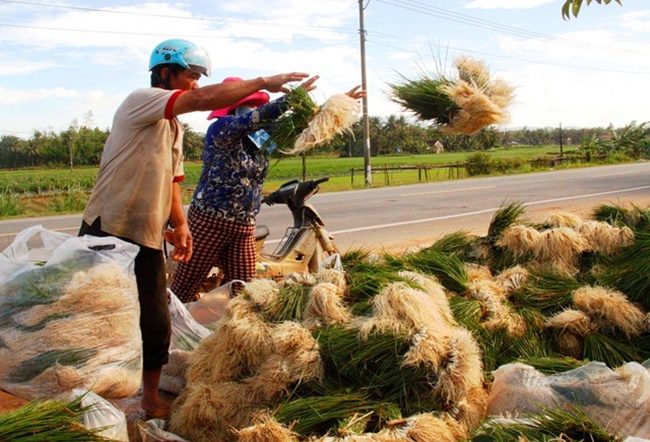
(506, 165)
(537, 163)
(69, 201)
(479, 163)
(617, 158)
(9, 205)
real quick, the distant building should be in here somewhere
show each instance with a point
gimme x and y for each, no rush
(440, 148)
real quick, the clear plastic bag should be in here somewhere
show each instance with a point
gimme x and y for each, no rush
(103, 414)
(186, 335)
(333, 261)
(69, 316)
(619, 399)
(186, 331)
(153, 430)
(211, 307)
(31, 247)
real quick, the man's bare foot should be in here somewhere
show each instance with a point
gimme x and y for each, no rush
(159, 410)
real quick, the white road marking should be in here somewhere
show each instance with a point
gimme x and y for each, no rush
(59, 229)
(448, 191)
(480, 212)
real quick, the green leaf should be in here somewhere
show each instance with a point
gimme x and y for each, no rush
(31, 368)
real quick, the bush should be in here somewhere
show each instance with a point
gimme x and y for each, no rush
(505, 165)
(479, 163)
(9, 205)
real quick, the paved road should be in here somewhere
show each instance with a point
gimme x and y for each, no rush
(396, 217)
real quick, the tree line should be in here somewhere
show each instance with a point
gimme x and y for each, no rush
(82, 145)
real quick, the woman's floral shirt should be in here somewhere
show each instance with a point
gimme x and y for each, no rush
(234, 168)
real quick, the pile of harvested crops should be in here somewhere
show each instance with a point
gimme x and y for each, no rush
(403, 348)
(286, 349)
(460, 102)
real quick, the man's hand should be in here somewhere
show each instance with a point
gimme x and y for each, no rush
(309, 84)
(181, 239)
(276, 83)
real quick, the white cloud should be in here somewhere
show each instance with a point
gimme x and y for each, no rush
(9, 96)
(334, 11)
(638, 21)
(23, 66)
(507, 4)
(550, 96)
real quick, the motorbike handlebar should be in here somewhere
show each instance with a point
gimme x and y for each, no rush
(293, 193)
(321, 180)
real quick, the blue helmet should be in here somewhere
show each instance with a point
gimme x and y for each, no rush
(181, 52)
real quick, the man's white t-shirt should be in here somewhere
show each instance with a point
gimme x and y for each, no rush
(142, 157)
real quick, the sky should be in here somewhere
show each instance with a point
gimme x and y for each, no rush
(71, 63)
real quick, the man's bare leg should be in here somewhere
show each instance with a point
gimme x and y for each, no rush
(152, 403)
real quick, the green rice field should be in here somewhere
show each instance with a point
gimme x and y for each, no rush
(41, 192)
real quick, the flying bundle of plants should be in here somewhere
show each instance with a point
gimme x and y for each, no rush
(307, 125)
(72, 323)
(462, 102)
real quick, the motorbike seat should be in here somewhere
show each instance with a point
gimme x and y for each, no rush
(261, 232)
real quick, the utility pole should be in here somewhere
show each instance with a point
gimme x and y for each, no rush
(366, 123)
(72, 130)
(70, 151)
(561, 140)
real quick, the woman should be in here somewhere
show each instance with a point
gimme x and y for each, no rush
(222, 214)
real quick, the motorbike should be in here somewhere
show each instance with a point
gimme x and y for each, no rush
(306, 245)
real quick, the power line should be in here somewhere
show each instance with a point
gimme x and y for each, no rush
(591, 69)
(411, 5)
(423, 8)
(96, 31)
(176, 17)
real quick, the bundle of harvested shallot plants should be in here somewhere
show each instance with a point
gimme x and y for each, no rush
(461, 103)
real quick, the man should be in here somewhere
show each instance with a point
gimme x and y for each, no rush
(137, 190)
